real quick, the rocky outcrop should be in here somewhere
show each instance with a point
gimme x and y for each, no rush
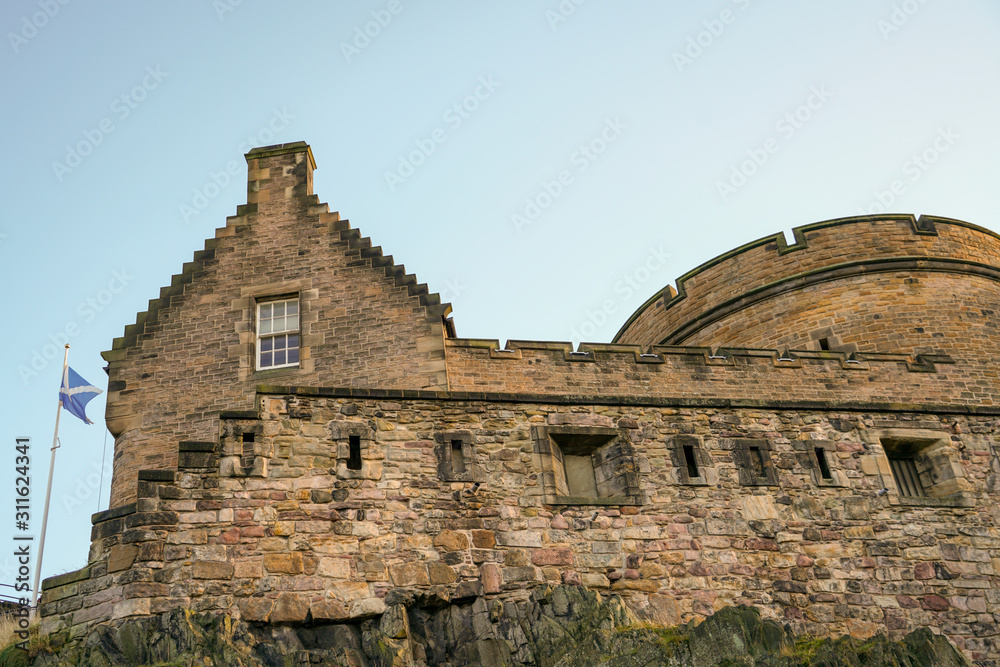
(564, 626)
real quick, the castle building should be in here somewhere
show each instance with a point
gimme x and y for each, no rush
(808, 428)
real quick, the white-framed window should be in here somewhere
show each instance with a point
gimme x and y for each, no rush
(277, 333)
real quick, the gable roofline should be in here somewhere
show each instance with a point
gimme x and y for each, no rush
(351, 237)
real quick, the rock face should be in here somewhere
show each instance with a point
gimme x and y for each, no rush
(564, 626)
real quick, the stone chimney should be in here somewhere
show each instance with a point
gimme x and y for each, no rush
(282, 171)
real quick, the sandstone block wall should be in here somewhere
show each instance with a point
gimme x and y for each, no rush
(271, 522)
(364, 321)
(878, 283)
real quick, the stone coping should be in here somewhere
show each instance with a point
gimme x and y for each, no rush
(281, 149)
(68, 578)
(603, 399)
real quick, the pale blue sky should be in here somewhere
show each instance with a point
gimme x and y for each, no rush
(833, 100)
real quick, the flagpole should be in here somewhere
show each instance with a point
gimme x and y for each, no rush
(48, 488)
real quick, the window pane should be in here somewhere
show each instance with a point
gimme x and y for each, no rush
(265, 326)
(265, 360)
(293, 341)
(265, 310)
(279, 309)
(291, 323)
(292, 308)
(279, 358)
(293, 355)
(265, 344)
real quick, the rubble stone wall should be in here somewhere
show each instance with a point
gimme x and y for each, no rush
(269, 522)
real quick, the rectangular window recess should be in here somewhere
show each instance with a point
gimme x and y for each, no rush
(354, 452)
(904, 471)
(692, 464)
(457, 457)
(824, 344)
(824, 466)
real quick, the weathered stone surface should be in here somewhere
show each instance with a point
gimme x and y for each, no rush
(489, 574)
(287, 563)
(449, 540)
(212, 570)
(121, 557)
(563, 626)
(290, 607)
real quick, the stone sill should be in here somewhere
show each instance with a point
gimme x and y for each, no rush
(586, 500)
(953, 501)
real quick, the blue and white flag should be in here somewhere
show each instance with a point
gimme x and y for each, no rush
(75, 393)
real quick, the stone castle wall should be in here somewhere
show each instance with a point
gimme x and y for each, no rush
(279, 529)
(399, 463)
(887, 283)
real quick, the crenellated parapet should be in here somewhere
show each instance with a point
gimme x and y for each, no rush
(723, 374)
(872, 283)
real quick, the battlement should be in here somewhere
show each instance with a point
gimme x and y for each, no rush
(555, 368)
(723, 295)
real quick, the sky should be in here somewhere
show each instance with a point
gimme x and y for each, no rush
(545, 165)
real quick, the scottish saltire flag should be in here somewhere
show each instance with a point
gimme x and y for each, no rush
(75, 393)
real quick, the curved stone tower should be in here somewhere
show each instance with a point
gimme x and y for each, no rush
(887, 283)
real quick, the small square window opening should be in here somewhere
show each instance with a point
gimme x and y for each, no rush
(904, 472)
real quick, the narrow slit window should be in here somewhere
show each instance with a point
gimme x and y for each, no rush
(824, 466)
(457, 457)
(824, 343)
(354, 452)
(692, 464)
(757, 461)
(246, 460)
